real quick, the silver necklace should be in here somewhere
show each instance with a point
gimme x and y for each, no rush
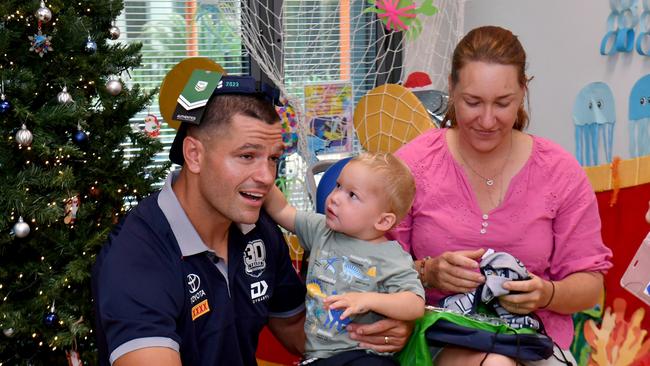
(488, 181)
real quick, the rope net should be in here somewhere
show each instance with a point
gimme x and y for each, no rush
(325, 56)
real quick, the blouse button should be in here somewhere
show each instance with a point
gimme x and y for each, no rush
(483, 231)
(485, 216)
(484, 224)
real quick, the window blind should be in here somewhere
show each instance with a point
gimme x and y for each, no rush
(327, 40)
(171, 31)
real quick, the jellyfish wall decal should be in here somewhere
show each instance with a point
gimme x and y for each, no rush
(594, 116)
(639, 125)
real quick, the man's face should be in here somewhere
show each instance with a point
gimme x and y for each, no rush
(239, 168)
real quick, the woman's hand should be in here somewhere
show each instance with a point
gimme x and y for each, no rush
(529, 295)
(386, 335)
(454, 272)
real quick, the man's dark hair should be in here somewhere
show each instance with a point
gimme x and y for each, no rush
(220, 110)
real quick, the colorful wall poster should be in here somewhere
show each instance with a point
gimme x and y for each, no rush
(328, 112)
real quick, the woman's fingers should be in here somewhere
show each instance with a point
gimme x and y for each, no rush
(456, 271)
(463, 258)
(526, 294)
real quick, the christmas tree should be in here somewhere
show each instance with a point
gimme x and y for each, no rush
(64, 176)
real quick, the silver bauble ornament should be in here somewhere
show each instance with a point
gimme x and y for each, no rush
(90, 46)
(64, 97)
(43, 13)
(114, 87)
(24, 136)
(114, 32)
(9, 332)
(21, 229)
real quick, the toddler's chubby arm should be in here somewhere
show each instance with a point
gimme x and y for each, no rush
(280, 210)
(404, 305)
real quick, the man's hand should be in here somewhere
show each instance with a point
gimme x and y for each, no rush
(386, 335)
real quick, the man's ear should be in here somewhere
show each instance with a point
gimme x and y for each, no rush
(385, 222)
(193, 152)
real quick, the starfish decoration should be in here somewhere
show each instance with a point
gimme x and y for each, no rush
(40, 43)
(402, 15)
(392, 14)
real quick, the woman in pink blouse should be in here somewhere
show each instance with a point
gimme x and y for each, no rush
(484, 183)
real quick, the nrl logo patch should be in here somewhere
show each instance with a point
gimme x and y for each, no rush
(255, 258)
(200, 85)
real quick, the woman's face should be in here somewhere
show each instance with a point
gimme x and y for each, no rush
(486, 100)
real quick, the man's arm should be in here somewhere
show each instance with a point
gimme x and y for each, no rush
(160, 356)
(404, 305)
(279, 209)
(290, 332)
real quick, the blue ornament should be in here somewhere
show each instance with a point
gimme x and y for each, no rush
(51, 319)
(80, 137)
(5, 106)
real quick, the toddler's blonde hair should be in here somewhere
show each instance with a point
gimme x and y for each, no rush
(394, 179)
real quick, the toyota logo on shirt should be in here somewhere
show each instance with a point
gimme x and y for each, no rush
(194, 282)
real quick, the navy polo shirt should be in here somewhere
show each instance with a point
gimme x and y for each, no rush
(156, 284)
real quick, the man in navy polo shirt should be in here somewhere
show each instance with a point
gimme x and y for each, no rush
(179, 282)
(195, 271)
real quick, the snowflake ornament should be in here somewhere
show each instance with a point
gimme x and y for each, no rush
(40, 43)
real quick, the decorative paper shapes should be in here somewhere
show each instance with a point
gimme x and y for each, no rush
(401, 15)
(594, 116)
(620, 27)
(639, 125)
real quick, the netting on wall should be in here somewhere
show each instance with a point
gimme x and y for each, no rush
(326, 55)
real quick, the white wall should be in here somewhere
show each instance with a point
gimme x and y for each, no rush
(562, 39)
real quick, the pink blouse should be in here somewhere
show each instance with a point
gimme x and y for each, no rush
(548, 219)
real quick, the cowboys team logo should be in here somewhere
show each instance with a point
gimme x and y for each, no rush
(255, 258)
